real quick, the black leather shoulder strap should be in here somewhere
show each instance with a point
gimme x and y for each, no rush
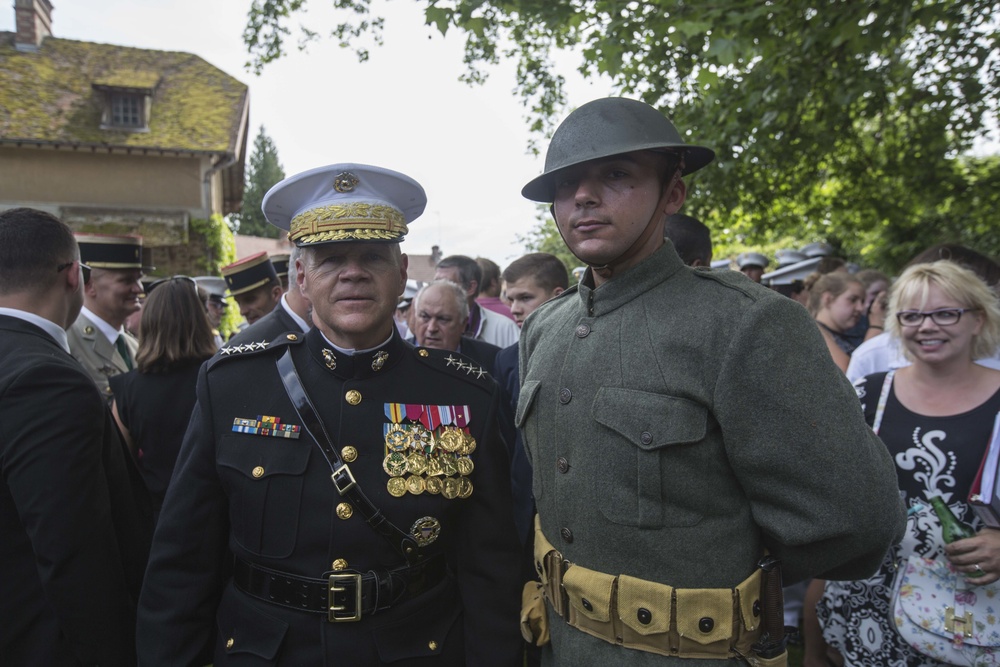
(342, 478)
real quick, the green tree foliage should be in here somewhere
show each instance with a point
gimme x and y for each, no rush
(841, 120)
(265, 171)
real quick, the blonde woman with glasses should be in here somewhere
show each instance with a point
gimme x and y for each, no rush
(936, 417)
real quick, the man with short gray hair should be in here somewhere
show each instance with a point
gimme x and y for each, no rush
(440, 316)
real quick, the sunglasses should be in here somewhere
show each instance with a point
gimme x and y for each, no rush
(156, 283)
(84, 269)
(943, 317)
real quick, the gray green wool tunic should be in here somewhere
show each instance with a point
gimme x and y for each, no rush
(682, 421)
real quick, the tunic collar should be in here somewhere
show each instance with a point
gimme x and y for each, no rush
(359, 365)
(641, 278)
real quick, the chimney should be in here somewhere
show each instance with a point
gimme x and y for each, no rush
(34, 23)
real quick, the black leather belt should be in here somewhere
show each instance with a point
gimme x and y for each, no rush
(342, 596)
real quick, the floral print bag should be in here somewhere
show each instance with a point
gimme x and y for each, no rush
(942, 616)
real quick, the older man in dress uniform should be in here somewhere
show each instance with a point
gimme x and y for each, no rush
(98, 339)
(686, 427)
(360, 483)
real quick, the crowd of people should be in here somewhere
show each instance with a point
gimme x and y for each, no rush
(505, 465)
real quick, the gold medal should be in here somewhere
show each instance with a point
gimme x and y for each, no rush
(415, 485)
(449, 488)
(450, 439)
(396, 486)
(416, 463)
(432, 485)
(468, 445)
(464, 487)
(448, 465)
(434, 467)
(397, 438)
(465, 465)
(394, 464)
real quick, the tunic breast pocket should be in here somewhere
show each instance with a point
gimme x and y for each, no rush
(649, 457)
(263, 479)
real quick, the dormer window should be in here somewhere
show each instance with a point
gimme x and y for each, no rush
(128, 111)
(128, 99)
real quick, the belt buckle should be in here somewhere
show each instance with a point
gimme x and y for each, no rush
(341, 584)
(350, 477)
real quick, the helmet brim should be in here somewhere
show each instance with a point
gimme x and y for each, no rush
(541, 189)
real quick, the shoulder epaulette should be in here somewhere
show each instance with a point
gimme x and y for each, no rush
(454, 363)
(254, 348)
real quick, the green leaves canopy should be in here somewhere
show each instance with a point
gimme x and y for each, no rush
(841, 120)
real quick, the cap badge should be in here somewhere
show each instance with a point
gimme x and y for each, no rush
(345, 181)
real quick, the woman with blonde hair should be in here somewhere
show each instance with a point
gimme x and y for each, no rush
(153, 403)
(936, 417)
(836, 302)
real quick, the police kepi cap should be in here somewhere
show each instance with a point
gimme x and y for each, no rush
(606, 127)
(345, 202)
(106, 251)
(249, 273)
(280, 263)
(751, 259)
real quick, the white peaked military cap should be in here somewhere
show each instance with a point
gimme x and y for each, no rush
(345, 202)
(751, 259)
(818, 249)
(788, 256)
(786, 275)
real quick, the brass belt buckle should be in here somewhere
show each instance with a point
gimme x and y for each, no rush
(340, 584)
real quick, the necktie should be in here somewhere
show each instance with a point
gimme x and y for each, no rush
(123, 350)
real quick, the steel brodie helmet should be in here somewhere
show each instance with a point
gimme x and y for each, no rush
(606, 127)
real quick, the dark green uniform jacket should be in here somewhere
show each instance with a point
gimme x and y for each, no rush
(680, 422)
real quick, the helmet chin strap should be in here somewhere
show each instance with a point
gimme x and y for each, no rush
(606, 270)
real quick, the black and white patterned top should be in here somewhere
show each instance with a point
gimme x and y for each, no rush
(934, 456)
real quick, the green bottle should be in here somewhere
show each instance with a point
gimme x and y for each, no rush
(951, 528)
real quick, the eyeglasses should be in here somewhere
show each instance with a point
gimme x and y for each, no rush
(156, 283)
(83, 268)
(943, 317)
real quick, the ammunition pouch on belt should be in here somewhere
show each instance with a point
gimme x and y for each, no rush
(654, 617)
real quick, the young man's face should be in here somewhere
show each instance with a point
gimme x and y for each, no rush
(602, 207)
(257, 303)
(524, 295)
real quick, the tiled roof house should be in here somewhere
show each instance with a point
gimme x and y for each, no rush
(114, 138)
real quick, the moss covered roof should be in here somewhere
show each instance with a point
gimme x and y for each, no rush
(49, 96)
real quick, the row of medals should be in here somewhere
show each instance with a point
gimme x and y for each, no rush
(419, 460)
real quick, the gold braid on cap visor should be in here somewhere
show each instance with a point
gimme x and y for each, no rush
(347, 222)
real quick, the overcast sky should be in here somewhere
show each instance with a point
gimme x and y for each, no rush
(403, 109)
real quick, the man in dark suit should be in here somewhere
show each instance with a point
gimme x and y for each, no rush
(73, 532)
(407, 553)
(439, 322)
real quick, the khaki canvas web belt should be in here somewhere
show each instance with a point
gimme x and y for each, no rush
(649, 616)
